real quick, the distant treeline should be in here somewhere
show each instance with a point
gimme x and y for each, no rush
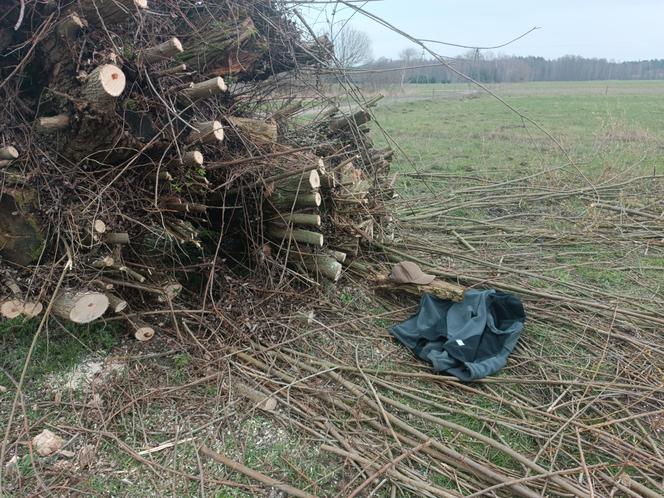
(505, 69)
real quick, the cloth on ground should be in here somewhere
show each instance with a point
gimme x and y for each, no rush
(470, 339)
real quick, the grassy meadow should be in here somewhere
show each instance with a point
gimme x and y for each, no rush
(605, 127)
(485, 198)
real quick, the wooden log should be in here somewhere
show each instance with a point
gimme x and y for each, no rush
(53, 124)
(104, 262)
(297, 234)
(169, 291)
(283, 200)
(141, 330)
(80, 306)
(99, 227)
(104, 85)
(116, 238)
(110, 11)
(339, 256)
(191, 159)
(18, 304)
(101, 285)
(170, 71)
(324, 265)
(32, 309)
(305, 182)
(224, 49)
(439, 288)
(133, 275)
(204, 89)
(162, 52)
(115, 303)
(12, 308)
(313, 220)
(8, 153)
(206, 132)
(256, 131)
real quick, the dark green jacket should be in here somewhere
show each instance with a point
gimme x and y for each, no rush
(470, 339)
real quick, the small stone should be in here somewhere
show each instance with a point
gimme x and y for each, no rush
(46, 443)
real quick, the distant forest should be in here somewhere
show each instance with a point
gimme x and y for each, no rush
(501, 69)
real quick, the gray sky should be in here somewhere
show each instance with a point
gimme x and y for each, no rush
(613, 29)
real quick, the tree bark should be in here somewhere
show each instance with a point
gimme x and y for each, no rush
(297, 234)
(52, 124)
(222, 49)
(255, 131)
(205, 132)
(191, 159)
(313, 220)
(8, 153)
(110, 11)
(116, 304)
(306, 182)
(324, 265)
(289, 200)
(162, 52)
(439, 288)
(20, 232)
(204, 89)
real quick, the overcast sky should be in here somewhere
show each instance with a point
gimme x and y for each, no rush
(612, 29)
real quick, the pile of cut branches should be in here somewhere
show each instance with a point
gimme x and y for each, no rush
(147, 147)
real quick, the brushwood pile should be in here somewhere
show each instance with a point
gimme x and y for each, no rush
(152, 152)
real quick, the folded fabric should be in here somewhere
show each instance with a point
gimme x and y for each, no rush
(470, 339)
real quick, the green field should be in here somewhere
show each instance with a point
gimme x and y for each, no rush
(604, 127)
(485, 199)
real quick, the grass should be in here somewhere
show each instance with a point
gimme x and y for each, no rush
(56, 350)
(603, 131)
